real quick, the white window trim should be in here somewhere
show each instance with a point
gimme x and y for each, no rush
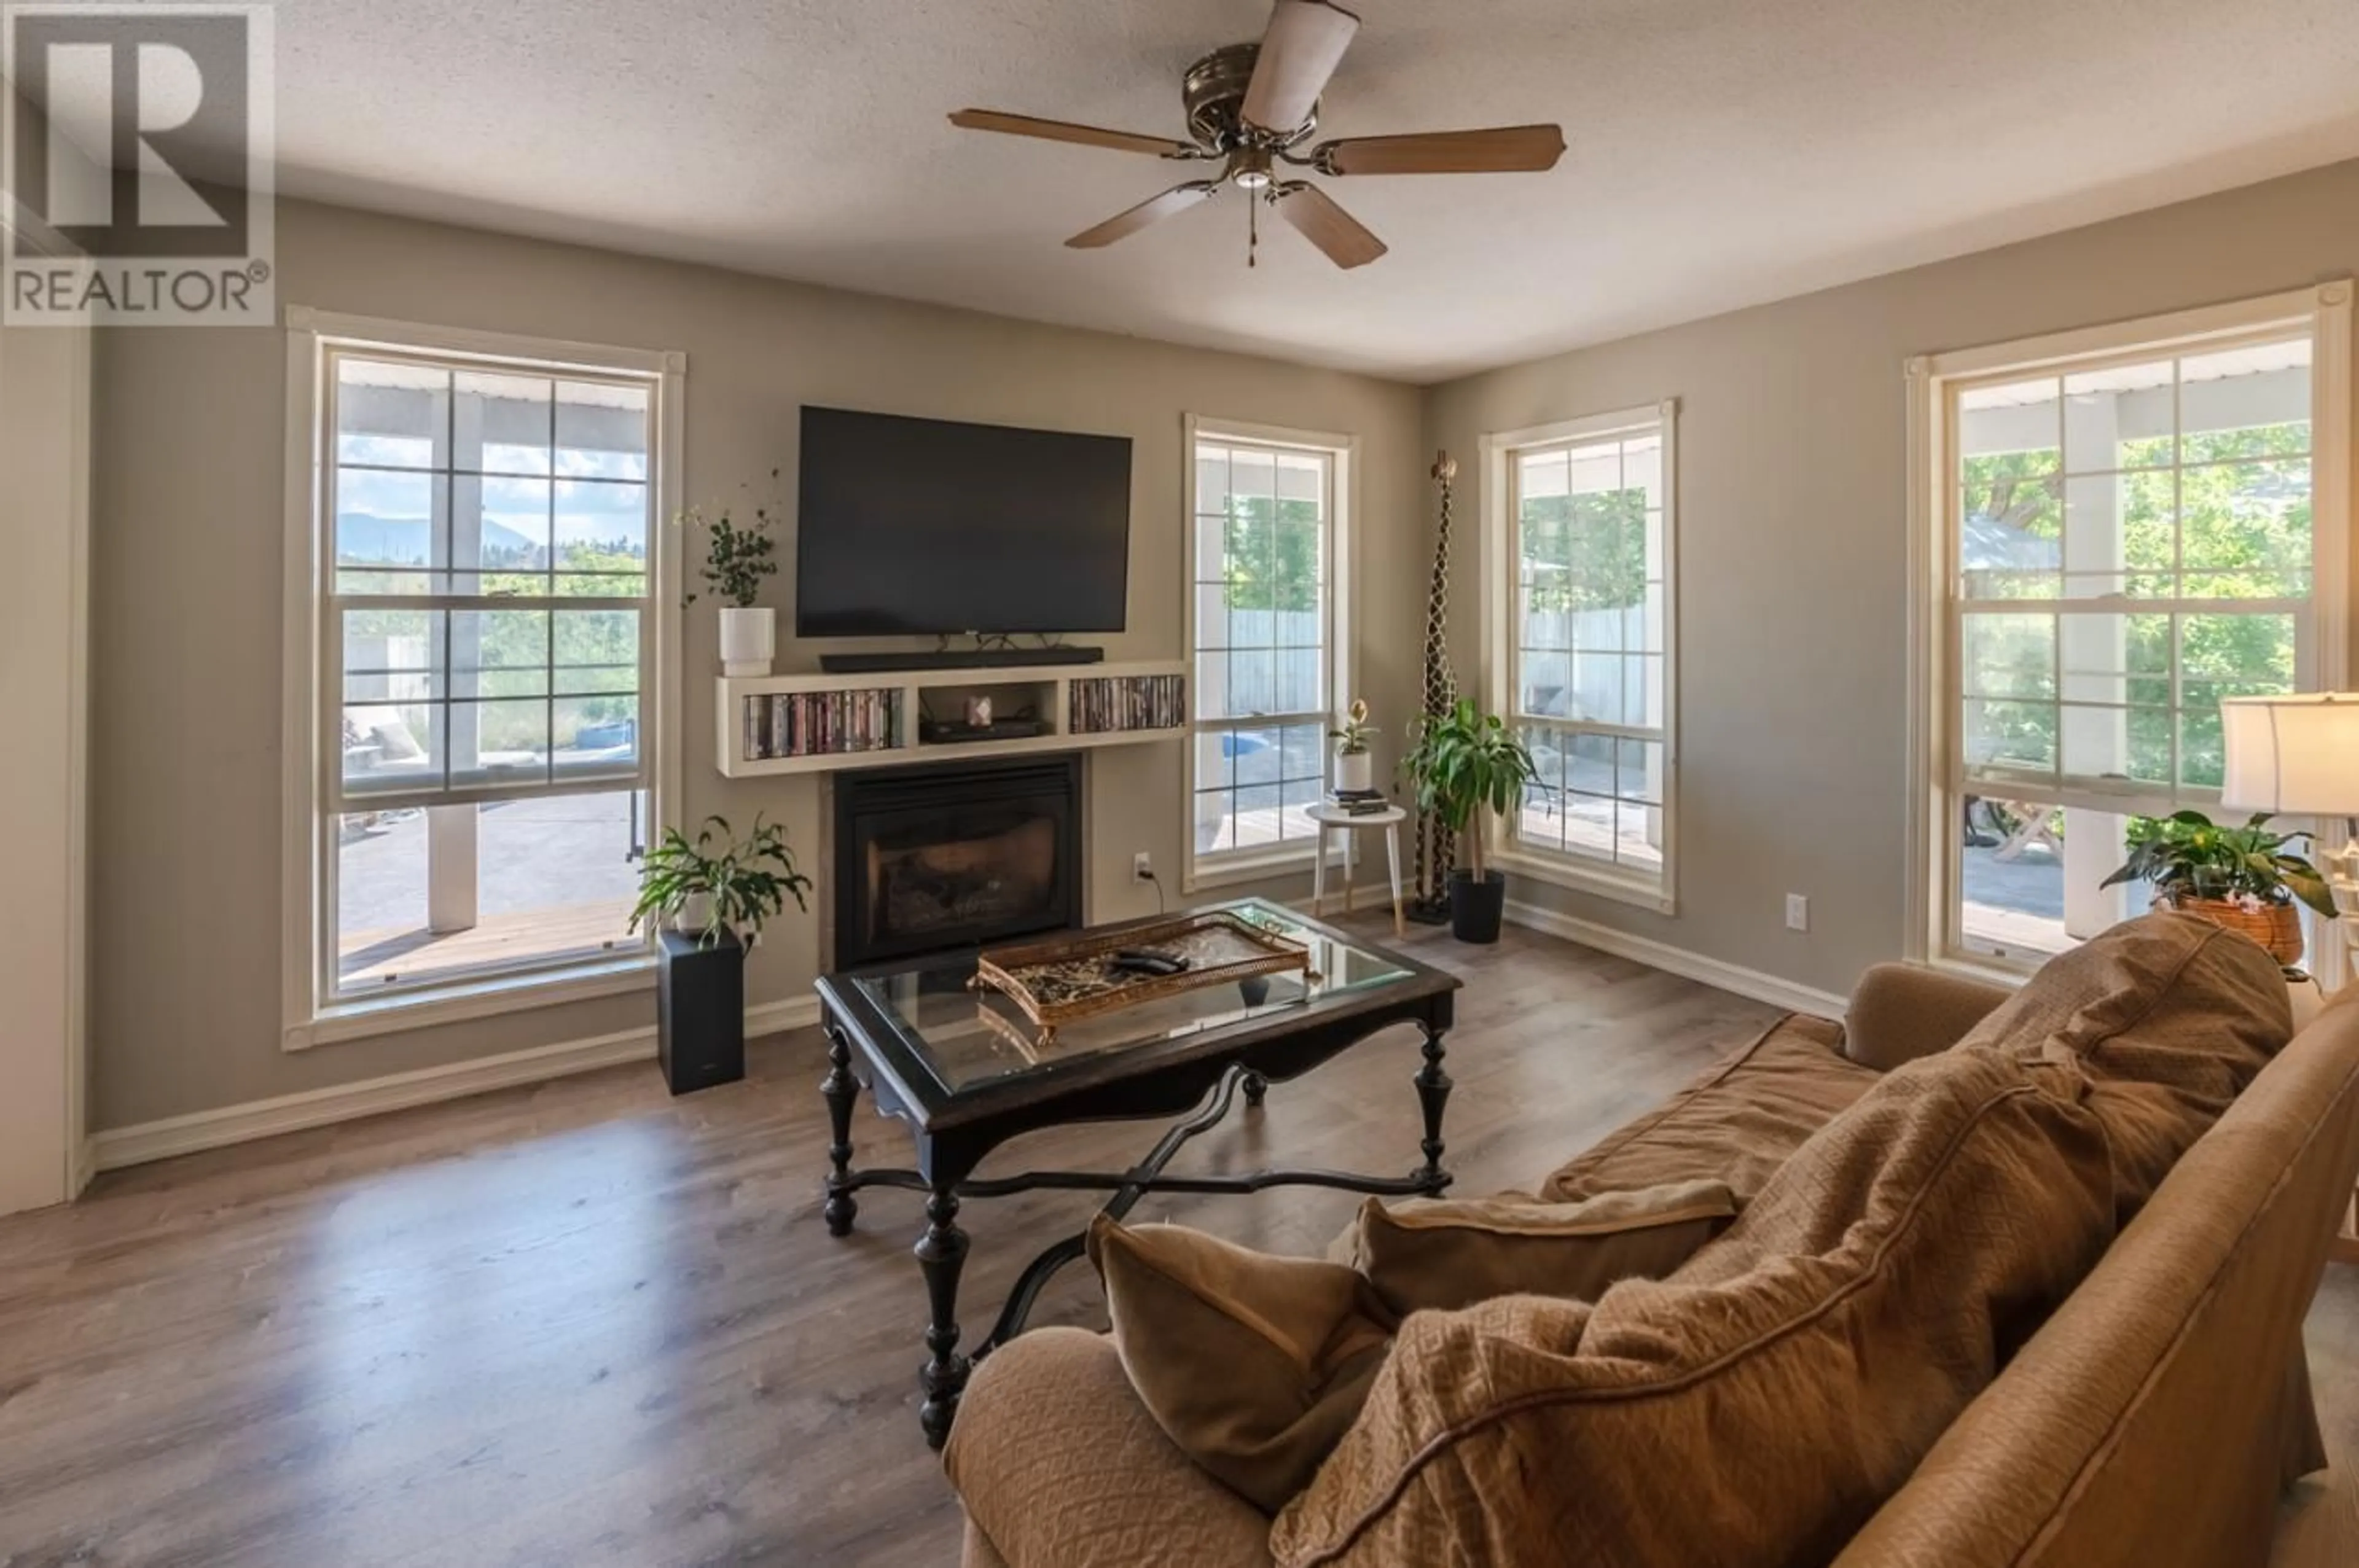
(1250, 865)
(306, 1020)
(2325, 309)
(1497, 559)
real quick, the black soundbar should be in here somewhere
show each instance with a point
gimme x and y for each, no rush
(956, 659)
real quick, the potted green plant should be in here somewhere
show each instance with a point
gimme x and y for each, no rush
(2242, 877)
(1354, 765)
(704, 894)
(737, 556)
(717, 884)
(1465, 764)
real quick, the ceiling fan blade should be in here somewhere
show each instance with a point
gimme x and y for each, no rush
(1504, 149)
(1304, 42)
(1065, 130)
(1155, 208)
(1328, 226)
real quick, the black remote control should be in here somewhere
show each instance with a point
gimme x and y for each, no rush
(1147, 961)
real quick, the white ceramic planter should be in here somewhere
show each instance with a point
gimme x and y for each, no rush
(1355, 770)
(748, 639)
(695, 916)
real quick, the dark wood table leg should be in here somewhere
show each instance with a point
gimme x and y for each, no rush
(1256, 1088)
(1432, 1094)
(941, 1252)
(841, 1090)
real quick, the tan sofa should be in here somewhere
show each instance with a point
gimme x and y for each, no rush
(2154, 1418)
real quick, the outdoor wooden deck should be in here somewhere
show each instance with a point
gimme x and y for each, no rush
(381, 957)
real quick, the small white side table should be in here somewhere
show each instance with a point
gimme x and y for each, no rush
(1334, 819)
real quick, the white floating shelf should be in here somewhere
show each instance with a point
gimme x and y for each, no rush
(1055, 702)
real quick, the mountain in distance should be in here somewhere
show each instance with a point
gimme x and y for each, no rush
(364, 538)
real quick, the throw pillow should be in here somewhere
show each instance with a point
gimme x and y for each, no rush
(1445, 1253)
(1756, 1408)
(1252, 1365)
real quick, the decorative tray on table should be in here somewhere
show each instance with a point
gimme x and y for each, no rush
(1073, 979)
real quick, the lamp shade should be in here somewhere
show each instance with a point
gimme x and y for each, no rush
(2295, 756)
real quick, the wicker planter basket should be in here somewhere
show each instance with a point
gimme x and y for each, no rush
(2276, 926)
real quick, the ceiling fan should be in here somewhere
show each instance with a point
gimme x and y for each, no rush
(1249, 105)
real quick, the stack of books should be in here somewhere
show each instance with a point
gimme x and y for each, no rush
(1105, 703)
(1357, 802)
(822, 722)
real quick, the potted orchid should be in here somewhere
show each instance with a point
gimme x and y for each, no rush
(1354, 765)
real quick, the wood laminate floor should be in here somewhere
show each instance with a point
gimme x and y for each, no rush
(585, 1324)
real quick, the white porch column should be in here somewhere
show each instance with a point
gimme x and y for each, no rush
(449, 869)
(2092, 651)
(450, 849)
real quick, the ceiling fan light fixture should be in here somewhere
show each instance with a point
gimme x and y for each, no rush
(1250, 106)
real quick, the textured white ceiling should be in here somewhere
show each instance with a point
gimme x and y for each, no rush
(1723, 152)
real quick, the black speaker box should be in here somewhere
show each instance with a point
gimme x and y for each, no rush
(700, 1012)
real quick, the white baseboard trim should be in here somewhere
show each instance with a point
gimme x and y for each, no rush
(1679, 961)
(117, 1147)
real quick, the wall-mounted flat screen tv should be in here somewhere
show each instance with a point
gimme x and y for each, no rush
(930, 526)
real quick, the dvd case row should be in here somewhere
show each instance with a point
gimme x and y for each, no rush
(1105, 703)
(821, 723)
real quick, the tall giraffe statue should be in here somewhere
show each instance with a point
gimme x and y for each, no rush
(1437, 849)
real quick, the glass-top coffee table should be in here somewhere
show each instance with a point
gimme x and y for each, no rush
(967, 1071)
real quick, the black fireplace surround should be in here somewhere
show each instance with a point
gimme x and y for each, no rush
(954, 855)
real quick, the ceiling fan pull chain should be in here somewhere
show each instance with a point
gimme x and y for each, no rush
(1253, 231)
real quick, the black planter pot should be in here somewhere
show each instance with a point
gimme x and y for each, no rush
(700, 1012)
(1476, 908)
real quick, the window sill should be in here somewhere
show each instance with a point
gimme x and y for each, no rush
(1578, 877)
(474, 999)
(1981, 968)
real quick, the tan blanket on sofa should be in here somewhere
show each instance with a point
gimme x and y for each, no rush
(1757, 1407)
(2169, 1016)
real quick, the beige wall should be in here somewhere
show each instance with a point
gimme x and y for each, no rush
(1793, 535)
(187, 531)
(1793, 530)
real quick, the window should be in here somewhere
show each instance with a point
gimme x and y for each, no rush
(1264, 553)
(2127, 533)
(481, 597)
(1579, 607)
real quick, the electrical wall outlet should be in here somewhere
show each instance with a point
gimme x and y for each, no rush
(1797, 912)
(1142, 867)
